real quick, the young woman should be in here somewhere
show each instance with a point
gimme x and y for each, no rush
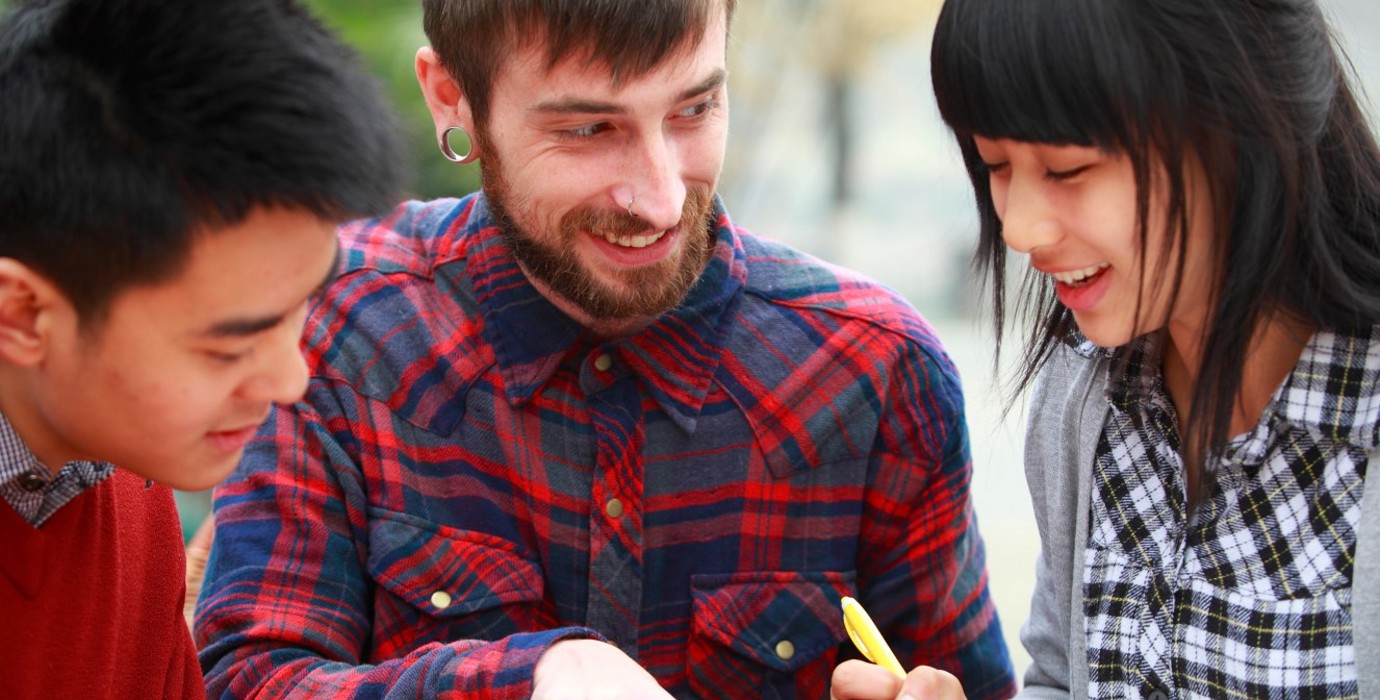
(1197, 196)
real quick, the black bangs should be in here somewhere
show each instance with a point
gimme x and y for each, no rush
(1047, 71)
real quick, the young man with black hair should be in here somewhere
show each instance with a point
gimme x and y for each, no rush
(171, 174)
(580, 435)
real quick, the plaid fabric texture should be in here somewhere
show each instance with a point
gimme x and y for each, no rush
(1251, 597)
(472, 477)
(37, 506)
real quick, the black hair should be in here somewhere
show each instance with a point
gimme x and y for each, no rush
(129, 127)
(1254, 90)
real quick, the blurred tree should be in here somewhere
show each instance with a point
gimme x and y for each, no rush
(388, 34)
(843, 36)
(832, 44)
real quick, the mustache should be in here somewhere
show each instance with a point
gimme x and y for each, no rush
(620, 224)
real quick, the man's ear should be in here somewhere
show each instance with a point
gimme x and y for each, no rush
(28, 305)
(444, 98)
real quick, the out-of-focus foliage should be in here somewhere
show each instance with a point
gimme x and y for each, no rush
(388, 35)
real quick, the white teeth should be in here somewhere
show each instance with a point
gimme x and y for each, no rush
(1076, 276)
(634, 241)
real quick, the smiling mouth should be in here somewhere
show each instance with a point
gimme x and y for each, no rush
(233, 434)
(632, 241)
(1079, 278)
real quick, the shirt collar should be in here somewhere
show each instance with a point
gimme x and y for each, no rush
(15, 457)
(674, 359)
(1081, 346)
(1333, 389)
(1135, 376)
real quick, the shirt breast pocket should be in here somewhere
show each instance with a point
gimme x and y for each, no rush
(766, 634)
(440, 584)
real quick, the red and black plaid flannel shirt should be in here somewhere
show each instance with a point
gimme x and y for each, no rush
(472, 477)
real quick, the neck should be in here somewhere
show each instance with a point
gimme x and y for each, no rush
(1272, 353)
(18, 407)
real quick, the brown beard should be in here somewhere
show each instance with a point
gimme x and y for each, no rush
(647, 291)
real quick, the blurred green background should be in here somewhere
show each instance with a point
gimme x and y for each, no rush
(387, 33)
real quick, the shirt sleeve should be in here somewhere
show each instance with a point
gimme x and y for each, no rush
(922, 571)
(1066, 419)
(287, 608)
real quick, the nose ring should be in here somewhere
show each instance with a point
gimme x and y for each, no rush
(630, 205)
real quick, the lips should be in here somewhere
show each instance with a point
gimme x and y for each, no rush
(1078, 276)
(231, 440)
(1082, 289)
(234, 439)
(633, 241)
(638, 251)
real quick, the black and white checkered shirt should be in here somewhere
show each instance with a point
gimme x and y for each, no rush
(31, 489)
(1251, 598)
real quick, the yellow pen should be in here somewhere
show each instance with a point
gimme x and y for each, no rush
(866, 637)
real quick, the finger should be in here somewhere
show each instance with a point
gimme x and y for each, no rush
(859, 680)
(925, 683)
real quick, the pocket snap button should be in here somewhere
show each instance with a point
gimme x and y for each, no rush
(441, 600)
(785, 650)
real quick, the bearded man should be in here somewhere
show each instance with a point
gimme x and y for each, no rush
(580, 435)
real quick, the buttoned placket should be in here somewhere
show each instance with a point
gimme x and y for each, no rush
(615, 546)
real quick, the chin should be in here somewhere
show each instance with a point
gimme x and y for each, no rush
(1102, 336)
(195, 476)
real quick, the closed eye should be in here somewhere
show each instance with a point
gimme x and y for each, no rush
(1065, 175)
(227, 358)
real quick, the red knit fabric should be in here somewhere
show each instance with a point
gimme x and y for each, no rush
(91, 602)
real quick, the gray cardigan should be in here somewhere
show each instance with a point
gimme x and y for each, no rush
(1068, 409)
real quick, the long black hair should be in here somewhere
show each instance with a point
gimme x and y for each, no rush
(1253, 90)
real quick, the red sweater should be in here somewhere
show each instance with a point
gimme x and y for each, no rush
(91, 602)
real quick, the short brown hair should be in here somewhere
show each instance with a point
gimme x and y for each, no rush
(632, 37)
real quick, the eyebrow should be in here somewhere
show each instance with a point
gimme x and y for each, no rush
(581, 106)
(244, 327)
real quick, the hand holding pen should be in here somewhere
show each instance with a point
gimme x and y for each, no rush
(887, 679)
(868, 639)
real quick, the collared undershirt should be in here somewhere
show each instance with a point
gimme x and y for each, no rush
(31, 489)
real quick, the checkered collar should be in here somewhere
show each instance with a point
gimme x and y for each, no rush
(1333, 389)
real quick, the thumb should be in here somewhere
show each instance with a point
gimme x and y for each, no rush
(926, 683)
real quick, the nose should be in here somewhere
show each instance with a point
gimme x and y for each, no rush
(653, 187)
(1029, 220)
(282, 373)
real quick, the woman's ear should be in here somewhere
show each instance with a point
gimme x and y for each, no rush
(28, 302)
(444, 99)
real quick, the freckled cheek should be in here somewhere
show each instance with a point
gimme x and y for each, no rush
(162, 404)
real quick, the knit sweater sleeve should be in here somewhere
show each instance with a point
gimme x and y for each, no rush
(1067, 410)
